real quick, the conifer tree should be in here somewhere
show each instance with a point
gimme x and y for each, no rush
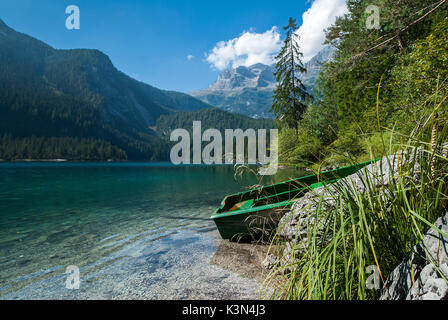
(290, 96)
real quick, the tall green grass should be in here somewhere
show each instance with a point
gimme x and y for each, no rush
(378, 227)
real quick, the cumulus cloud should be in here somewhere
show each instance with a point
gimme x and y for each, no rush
(248, 49)
(189, 57)
(251, 48)
(318, 17)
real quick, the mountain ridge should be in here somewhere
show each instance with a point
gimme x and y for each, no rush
(249, 90)
(74, 104)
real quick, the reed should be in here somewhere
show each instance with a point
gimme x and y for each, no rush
(377, 227)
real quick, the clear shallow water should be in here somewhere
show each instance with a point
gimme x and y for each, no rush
(135, 230)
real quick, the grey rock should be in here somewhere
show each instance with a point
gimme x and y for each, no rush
(416, 278)
(429, 284)
(427, 273)
(444, 269)
(302, 214)
(436, 244)
(271, 262)
(430, 296)
(436, 286)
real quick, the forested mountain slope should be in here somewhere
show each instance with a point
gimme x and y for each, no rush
(74, 99)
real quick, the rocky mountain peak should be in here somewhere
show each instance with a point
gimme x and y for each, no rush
(256, 76)
(249, 90)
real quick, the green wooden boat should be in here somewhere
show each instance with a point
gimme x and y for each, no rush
(254, 214)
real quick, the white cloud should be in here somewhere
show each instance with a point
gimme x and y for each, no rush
(320, 16)
(248, 49)
(189, 57)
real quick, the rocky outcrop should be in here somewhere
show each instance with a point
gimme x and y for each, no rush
(423, 274)
(296, 225)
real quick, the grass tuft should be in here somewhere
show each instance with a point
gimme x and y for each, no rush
(372, 222)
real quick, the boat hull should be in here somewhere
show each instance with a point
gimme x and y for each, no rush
(255, 214)
(251, 226)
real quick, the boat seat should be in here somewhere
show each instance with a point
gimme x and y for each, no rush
(243, 205)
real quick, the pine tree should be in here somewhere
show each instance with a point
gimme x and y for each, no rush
(290, 95)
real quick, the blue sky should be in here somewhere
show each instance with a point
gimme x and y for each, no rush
(151, 40)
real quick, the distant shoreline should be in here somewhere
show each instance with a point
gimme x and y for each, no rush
(37, 160)
(66, 160)
(280, 167)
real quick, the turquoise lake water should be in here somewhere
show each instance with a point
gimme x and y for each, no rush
(134, 230)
